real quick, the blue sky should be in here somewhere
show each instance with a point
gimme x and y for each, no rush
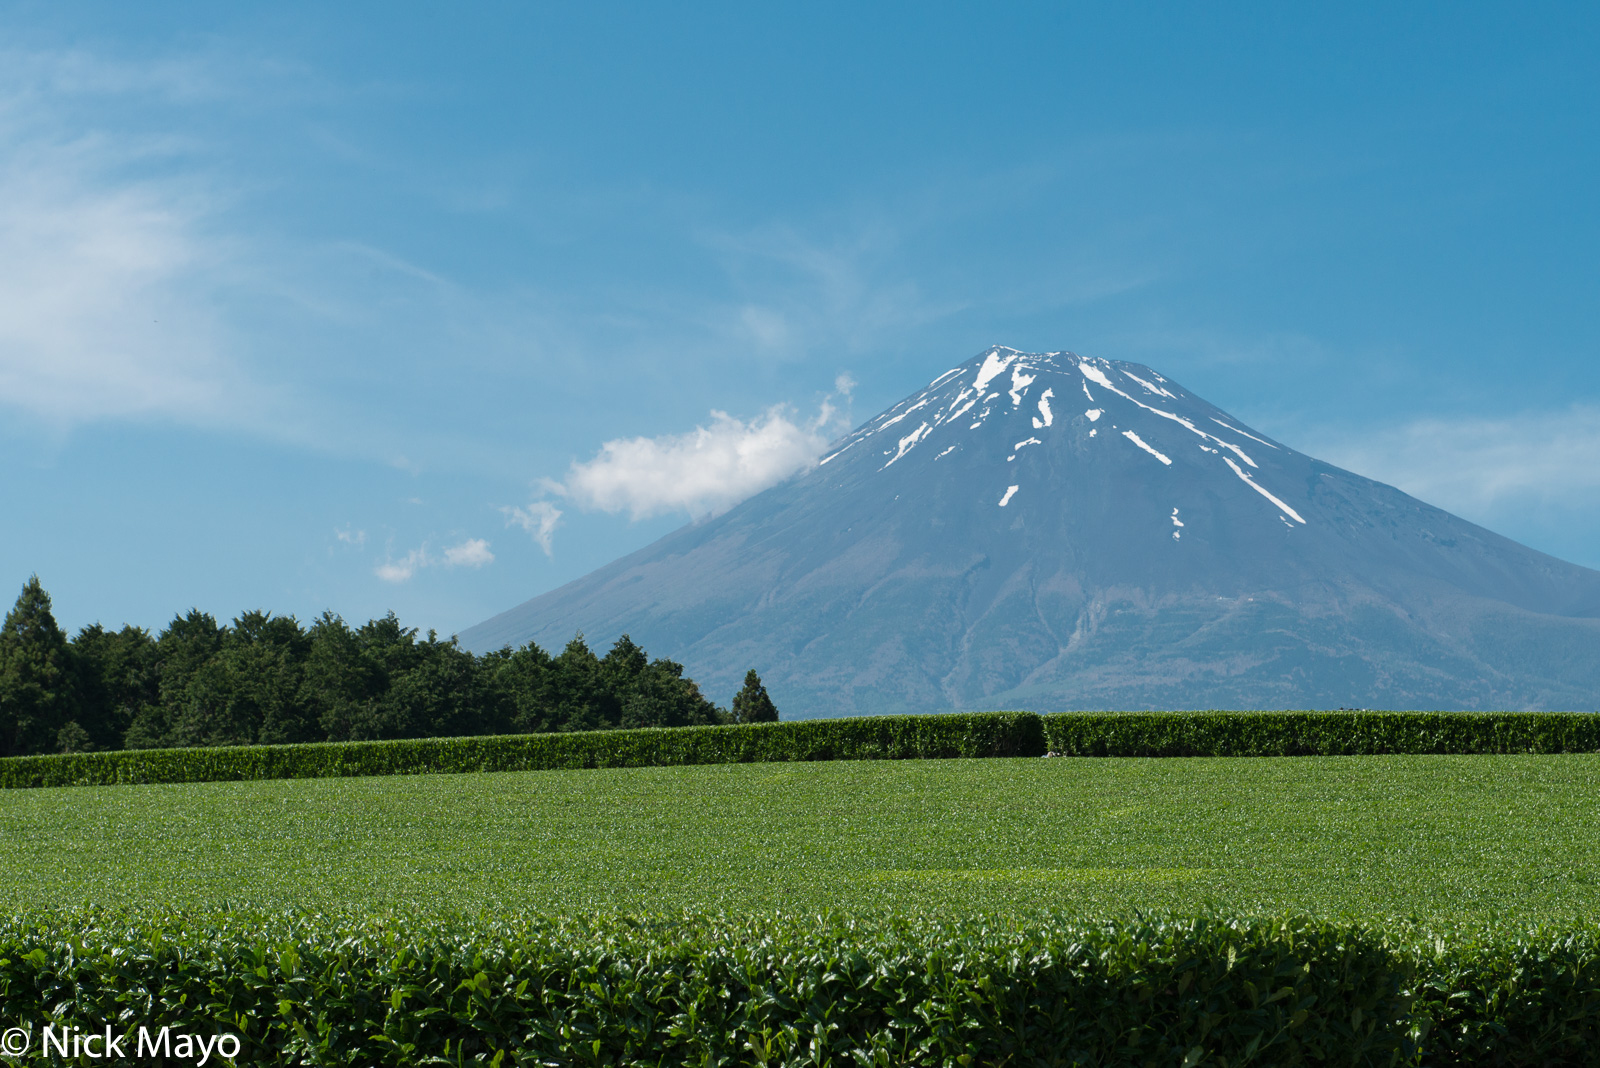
(311, 307)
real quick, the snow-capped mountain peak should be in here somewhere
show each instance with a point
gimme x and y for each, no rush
(1048, 530)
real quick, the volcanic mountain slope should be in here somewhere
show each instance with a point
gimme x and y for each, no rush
(1050, 531)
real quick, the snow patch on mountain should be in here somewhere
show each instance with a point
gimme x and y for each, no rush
(1137, 440)
(1152, 387)
(1069, 598)
(1259, 488)
(1236, 430)
(1045, 416)
(1019, 384)
(994, 365)
(907, 443)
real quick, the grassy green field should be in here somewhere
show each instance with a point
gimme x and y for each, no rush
(1462, 839)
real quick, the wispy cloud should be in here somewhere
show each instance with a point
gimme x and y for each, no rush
(108, 257)
(538, 519)
(803, 289)
(137, 279)
(94, 320)
(472, 552)
(401, 570)
(350, 536)
(1479, 467)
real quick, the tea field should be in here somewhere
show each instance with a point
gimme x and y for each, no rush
(1437, 838)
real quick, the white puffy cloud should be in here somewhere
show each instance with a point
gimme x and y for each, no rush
(539, 519)
(703, 472)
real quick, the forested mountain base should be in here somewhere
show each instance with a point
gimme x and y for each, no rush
(266, 680)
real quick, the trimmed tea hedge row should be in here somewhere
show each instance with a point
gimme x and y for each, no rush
(995, 734)
(715, 991)
(1174, 734)
(985, 734)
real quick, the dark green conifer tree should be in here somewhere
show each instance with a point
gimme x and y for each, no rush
(266, 680)
(661, 697)
(444, 695)
(526, 677)
(342, 681)
(117, 680)
(184, 652)
(35, 677)
(580, 698)
(247, 690)
(751, 704)
(355, 675)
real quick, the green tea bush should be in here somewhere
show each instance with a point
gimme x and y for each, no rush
(702, 990)
(992, 734)
(978, 734)
(1186, 734)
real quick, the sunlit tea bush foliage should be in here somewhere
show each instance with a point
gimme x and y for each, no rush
(691, 990)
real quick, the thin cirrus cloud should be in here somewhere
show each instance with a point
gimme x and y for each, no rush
(472, 552)
(101, 259)
(1482, 468)
(93, 320)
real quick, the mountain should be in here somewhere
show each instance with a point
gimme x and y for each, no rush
(1050, 531)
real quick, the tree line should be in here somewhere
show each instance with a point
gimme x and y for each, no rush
(266, 679)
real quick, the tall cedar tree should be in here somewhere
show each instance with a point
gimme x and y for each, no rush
(184, 651)
(116, 675)
(247, 691)
(35, 678)
(346, 676)
(751, 704)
